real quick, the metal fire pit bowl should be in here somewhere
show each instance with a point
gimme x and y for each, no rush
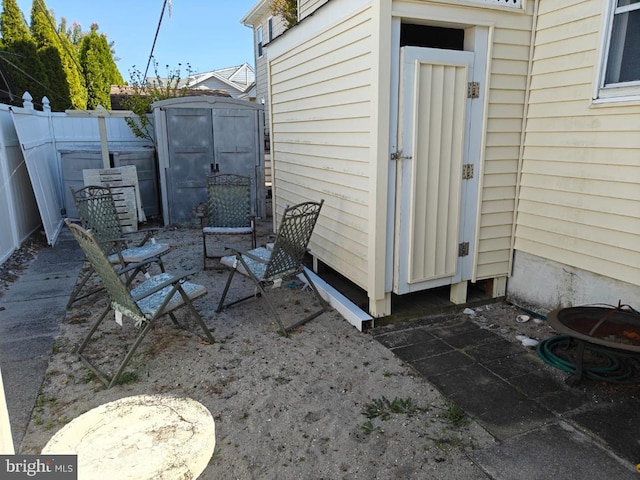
(616, 328)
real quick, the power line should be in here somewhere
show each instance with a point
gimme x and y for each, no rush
(153, 46)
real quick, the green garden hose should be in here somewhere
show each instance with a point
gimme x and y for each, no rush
(555, 351)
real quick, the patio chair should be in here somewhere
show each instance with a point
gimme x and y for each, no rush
(143, 304)
(270, 266)
(227, 211)
(97, 210)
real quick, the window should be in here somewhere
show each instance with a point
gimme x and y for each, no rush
(259, 39)
(620, 70)
(270, 29)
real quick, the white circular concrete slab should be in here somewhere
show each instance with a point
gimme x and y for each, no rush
(139, 437)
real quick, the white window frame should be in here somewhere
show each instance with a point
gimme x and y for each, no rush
(613, 92)
(269, 29)
(259, 39)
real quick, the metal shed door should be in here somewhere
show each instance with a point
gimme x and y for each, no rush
(190, 138)
(433, 139)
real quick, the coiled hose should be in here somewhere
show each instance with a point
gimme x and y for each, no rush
(611, 367)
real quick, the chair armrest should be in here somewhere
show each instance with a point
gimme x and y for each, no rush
(175, 280)
(253, 257)
(133, 266)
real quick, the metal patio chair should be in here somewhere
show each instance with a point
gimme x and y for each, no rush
(97, 210)
(227, 211)
(144, 303)
(270, 266)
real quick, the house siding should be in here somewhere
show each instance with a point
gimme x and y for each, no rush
(307, 7)
(321, 123)
(580, 187)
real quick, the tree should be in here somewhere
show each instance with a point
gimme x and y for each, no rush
(46, 35)
(287, 9)
(20, 63)
(50, 51)
(99, 68)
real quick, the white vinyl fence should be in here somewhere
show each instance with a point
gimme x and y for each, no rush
(31, 184)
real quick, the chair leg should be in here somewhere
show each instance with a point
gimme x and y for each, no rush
(131, 351)
(197, 316)
(75, 294)
(103, 378)
(204, 251)
(284, 331)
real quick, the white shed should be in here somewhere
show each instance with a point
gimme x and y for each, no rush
(406, 118)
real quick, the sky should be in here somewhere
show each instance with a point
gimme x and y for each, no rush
(206, 34)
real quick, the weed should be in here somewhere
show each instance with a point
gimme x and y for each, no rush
(88, 377)
(454, 415)
(383, 408)
(128, 377)
(216, 457)
(368, 428)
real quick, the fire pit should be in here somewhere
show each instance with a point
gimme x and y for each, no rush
(609, 334)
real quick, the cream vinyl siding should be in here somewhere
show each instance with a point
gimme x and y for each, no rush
(580, 189)
(506, 96)
(321, 122)
(307, 7)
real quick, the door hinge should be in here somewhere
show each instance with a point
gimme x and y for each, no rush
(398, 156)
(473, 90)
(463, 249)
(467, 171)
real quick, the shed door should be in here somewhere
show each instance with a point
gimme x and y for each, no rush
(190, 139)
(435, 141)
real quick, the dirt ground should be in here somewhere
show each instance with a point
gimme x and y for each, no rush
(327, 402)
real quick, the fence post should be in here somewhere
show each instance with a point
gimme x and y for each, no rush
(27, 101)
(46, 104)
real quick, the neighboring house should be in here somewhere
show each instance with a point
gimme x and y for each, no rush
(235, 80)
(464, 141)
(265, 28)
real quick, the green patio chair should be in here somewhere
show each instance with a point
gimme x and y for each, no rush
(97, 211)
(144, 303)
(271, 265)
(227, 211)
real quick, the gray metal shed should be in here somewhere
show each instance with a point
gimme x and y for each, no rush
(200, 135)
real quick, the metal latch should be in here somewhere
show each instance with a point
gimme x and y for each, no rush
(467, 171)
(473, 90)
(463, 249)
(398, 156)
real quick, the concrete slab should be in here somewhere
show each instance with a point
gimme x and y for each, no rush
(556, 451)
(515, 365)
(436, 365)
(419, 351)
(502, 410)
(405, 337)
(488, 351)
(22, 381)
(617, 424)
(30, 289)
